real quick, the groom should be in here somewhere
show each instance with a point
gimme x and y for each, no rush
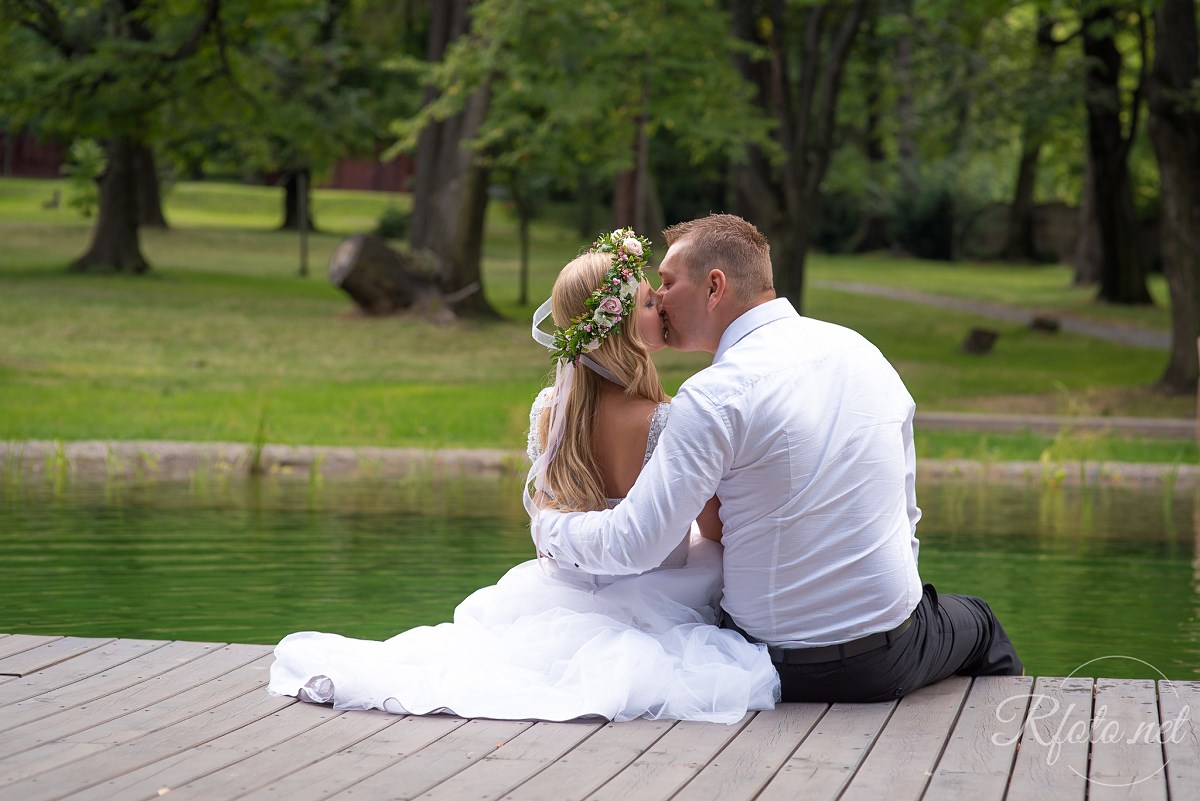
(804, 432)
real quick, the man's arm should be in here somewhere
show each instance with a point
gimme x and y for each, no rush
(693, 453)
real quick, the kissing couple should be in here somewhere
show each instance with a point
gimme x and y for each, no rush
(751, 541)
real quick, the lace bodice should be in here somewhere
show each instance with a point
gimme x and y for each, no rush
(534, 444)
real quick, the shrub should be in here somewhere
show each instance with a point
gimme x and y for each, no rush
(393, 224)
(923, 224)
(85, 164)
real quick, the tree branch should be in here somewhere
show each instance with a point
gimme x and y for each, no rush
(832, 79)
(1143, 70)
(211, 14)
(50, 27)
(814, 23)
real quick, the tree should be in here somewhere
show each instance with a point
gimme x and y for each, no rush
(574, 87)
(1174, 104)
(451, 181)
(802, 100)
(103, 70)
(1019, 243)
(1122, 271)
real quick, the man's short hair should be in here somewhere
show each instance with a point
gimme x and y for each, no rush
(727, 243)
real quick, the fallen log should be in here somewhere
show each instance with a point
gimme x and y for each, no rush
(382, 280)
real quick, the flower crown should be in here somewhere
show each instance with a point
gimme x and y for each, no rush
(608, 306)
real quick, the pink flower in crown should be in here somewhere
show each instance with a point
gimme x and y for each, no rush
(633, 246)
(610, 305)
(587, 327)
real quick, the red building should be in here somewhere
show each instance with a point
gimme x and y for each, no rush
(23, 156)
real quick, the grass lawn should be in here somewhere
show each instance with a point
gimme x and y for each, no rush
(1045, 288)
(223, 341)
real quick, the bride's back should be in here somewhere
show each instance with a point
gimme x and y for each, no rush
(620, 429)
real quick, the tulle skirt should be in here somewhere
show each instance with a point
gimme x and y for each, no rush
(551, 644)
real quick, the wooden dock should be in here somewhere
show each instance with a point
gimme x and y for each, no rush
(85, 718)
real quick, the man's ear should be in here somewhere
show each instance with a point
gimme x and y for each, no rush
(717, 286)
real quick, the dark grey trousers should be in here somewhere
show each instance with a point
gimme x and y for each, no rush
(950, 635)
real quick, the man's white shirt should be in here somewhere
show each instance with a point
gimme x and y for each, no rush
(804, 432)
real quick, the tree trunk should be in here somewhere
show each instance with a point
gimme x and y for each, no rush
(1019, 244)
(149, 195)
(587, 205)
(872, 232)
(292, 201)
(523, 217)
(380, 280)
(631, 187)
(1175, 133)
(115, 245)
(1087, 240)
(450, 186)
(906, 115)
(783, 200)
(1122, 272)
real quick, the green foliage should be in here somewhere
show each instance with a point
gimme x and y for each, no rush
(569, 82)
(393, 224)
(840, 217)
(85, 164)
(924, 223)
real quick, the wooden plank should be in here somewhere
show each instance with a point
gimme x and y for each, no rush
(514, 761)
(591, 763)
(753, 758)
(136, 712)
(16, 643)
(81, 667)
(283, 759)
(1127, 754)
(320, 779)
(1052, 756)
(823, 764)
(902, 759)
(51, 653)
(1179, 710)
(118, 763)
(200, 746)
(979, 757)
(671, 762)
(426, 768)
(115, 692)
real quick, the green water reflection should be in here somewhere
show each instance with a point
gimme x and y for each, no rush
(1075, 576)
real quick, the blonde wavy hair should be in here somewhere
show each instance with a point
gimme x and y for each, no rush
(573, 475)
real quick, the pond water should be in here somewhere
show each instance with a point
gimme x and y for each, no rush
(1101, 574)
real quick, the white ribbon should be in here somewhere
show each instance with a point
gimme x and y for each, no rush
(564, 378)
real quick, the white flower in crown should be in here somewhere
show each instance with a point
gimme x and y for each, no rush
(633, 246)
(617, 236)
(630, 288)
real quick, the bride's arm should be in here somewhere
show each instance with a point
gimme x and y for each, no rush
(709, 520)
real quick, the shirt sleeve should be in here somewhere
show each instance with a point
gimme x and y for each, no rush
(910, 479)
(693, 453)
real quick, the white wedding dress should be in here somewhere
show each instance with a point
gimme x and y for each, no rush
(549, 643)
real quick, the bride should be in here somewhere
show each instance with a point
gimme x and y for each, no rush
(552, 643)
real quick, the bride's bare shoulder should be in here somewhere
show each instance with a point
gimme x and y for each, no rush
(619, 439)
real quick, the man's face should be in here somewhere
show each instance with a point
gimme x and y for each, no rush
(683, 301)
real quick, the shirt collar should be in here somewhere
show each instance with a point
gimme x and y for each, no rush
(755, 318)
